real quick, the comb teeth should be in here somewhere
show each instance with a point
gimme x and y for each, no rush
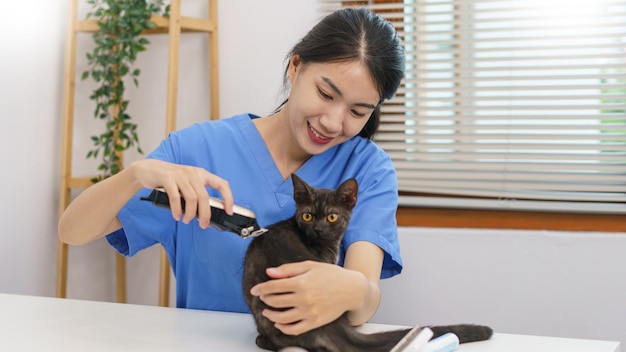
(415, 338)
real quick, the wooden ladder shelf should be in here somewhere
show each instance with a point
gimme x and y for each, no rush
(173, 27)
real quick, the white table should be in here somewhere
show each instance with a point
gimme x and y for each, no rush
(29, 323)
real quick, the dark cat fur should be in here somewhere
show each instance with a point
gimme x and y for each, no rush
(294, 240)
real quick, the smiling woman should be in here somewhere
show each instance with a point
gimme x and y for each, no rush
(338, 74)
(334, 93)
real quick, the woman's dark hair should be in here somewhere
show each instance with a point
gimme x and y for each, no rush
(357, 34)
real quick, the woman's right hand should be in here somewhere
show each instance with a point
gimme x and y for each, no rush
(188, 182)
(93, 214)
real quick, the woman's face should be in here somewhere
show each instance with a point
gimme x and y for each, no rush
(329, 103)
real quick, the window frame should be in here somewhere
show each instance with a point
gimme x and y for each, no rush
(508, 219)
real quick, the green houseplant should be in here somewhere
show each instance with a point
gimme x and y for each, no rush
(117, 43)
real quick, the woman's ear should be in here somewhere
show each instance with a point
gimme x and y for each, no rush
(294, 65)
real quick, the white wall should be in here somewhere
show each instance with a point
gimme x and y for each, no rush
(564, 284)
(31, 38)
(528, 282)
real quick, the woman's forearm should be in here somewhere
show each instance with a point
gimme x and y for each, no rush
(369, 305)
(366, 260)
(93, 213)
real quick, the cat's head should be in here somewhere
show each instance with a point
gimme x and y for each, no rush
(324, 213)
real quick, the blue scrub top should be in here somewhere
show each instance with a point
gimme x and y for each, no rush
(208, 263)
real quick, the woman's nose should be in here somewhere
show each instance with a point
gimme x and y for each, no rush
(332, 122)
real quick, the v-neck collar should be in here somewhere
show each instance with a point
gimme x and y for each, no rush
(283, 189)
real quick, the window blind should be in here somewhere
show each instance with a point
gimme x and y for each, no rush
(505, 104)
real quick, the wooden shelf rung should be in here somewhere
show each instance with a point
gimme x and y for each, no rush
(79, 182)
(188, 24)
(192, 24)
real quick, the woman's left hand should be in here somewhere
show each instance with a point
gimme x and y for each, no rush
(310, 294)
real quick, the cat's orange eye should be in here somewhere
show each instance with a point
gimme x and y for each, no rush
(332, 217)
(307, 217)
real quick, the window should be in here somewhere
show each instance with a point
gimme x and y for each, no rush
(515, 106)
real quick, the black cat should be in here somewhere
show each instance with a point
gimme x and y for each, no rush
(315, 233)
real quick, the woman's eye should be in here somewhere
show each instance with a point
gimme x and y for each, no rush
(332, 217)
(324, 95)
(307, 217)
(357, 114)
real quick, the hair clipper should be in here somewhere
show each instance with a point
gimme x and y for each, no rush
(243, 221)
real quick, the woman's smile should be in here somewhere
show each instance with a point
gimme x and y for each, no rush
(316, 136)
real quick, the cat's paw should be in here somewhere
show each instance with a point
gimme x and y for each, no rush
(293, 349)
(263, 342)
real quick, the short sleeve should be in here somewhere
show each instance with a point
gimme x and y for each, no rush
(374, 216)
(143, 224)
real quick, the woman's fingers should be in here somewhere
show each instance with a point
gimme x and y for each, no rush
(190, 195)
(188, 183)
(222, 186)
(175, 200)
(215, 182)
(305, 295)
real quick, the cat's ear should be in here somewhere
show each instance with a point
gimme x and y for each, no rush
(347, 192)
(301, 192)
